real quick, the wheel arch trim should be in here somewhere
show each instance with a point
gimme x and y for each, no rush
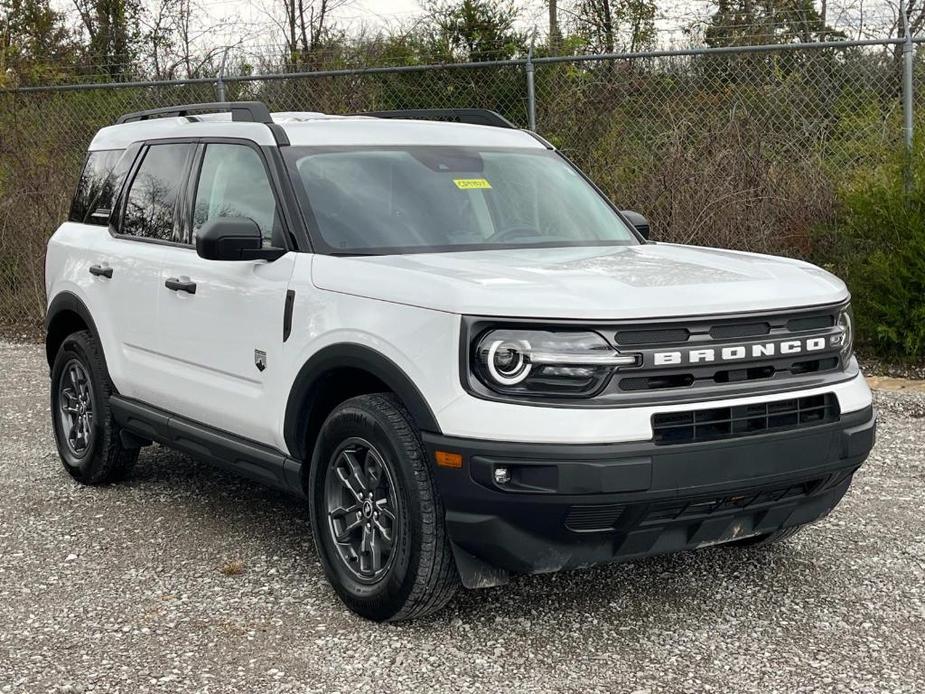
(63, 302)
(354, 356)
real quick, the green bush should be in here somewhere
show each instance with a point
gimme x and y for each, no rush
(878, 247)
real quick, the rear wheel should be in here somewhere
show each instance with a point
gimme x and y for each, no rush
(86, 435)
(376, 515)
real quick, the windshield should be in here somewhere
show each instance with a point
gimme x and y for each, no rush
(388, 200)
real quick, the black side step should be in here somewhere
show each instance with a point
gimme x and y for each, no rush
(238, 455)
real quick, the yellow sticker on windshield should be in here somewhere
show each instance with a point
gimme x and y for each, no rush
(471, 183)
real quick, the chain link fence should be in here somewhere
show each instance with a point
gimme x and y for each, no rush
(739, 148)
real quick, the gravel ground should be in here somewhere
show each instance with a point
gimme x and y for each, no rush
(184, 579)
(873, 366)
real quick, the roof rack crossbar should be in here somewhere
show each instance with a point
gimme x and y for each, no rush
(243, 111)
(473, 116)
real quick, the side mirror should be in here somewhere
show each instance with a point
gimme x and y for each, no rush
(638, 221)
(233, 238)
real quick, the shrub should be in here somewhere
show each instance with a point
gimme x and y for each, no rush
(879, 250)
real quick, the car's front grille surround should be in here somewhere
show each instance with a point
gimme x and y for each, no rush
(718, 423)
(716, 334)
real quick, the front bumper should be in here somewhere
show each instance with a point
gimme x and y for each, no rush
(572, 505)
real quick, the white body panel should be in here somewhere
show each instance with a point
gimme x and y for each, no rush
(124, 307)
(607, 283)
(470, 417)
(207, 341)
(121, 136)
(320, 130)
(204, 368)
(194, 354)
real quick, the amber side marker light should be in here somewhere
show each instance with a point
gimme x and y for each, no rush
(447, 459)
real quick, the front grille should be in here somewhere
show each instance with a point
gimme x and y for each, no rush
(652, 337)
(737, 330)
(717, 353)
(717, 423)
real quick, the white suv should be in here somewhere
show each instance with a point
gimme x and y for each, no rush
(437, 331)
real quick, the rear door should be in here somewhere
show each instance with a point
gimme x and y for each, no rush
(146, 222)
(123, 260)
(82, 257)
(220, 323)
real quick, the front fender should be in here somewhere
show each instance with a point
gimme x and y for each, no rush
(356, 356)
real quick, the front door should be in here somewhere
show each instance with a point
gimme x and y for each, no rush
(221, 322)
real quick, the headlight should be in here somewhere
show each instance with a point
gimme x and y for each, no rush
(542, 362)
(845, 339)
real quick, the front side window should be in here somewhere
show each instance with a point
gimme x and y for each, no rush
(418, 199)
(150, 206)
(96, 189)
(233, 183)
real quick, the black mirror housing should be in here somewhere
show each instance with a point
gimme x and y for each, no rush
(638, 221)
(233, 238)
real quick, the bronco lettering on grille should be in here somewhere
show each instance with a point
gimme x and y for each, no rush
(757, 350)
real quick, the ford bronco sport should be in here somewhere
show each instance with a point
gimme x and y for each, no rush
(435, 330)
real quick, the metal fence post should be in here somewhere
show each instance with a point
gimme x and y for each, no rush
(531, 96)
(908, 132)
(220, 80)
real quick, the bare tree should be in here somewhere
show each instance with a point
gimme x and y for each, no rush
(306, 24)
(181, 46)
(611, 25)
(113, 30)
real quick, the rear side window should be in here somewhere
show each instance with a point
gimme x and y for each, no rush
(151, 202)
(97, 187)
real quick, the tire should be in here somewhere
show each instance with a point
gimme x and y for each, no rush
(370, 443)
(764, 540)
(90, 449)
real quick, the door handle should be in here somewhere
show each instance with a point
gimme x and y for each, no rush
(177, 285)
(100, 271)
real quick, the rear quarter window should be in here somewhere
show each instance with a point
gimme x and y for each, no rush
(100, 180)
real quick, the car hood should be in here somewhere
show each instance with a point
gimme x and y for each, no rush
(644, 281)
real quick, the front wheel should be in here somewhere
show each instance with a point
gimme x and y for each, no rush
(376, 514)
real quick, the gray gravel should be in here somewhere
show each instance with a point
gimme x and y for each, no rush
(184, 579)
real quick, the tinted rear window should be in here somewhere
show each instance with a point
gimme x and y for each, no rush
(151, 202)
(96, 189)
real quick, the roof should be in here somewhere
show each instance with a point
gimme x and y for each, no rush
(316, 129)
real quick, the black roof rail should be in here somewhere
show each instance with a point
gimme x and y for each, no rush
(243, 111)
(473, 116)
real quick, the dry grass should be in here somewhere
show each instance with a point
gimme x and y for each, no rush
(235, 567)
